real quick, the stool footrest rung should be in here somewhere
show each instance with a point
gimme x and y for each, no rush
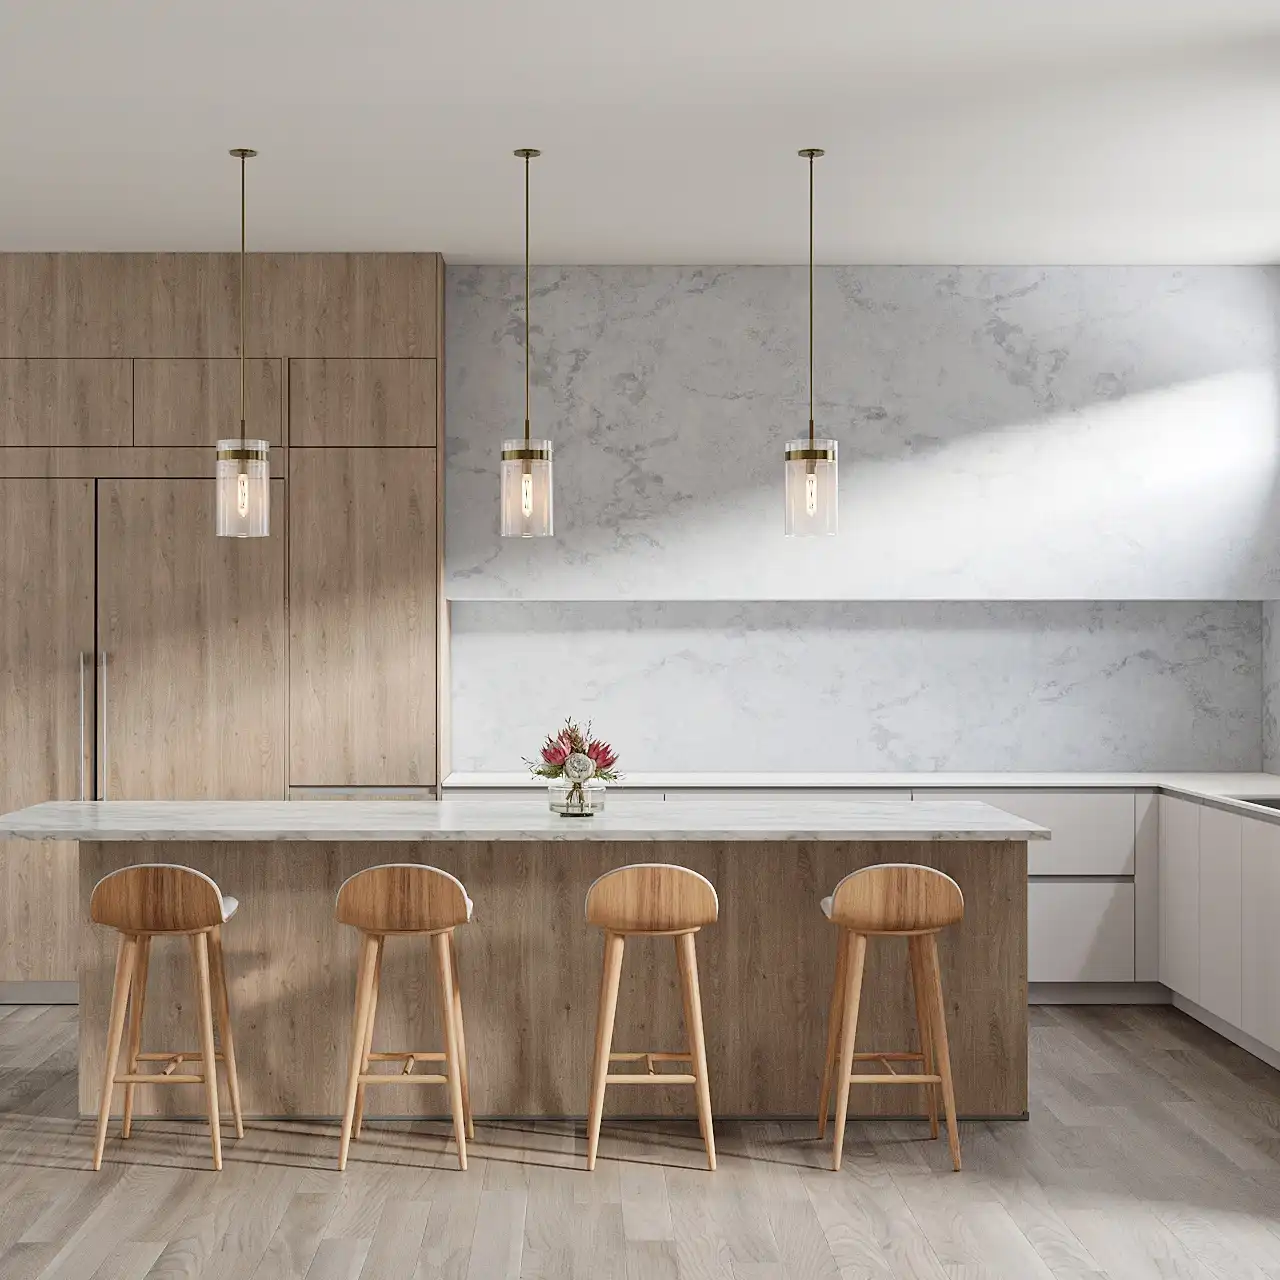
(157, 1078)
(400, 1078)
(893, 1078)
(652, 1077)
(395, 1055)
(888, 1057)
(655, 1054)
(181, 1055)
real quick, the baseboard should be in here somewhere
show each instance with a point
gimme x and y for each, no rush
(1227, 1031)
(39, 993)
(1097, 993)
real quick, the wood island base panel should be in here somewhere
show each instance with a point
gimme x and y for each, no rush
(529, 970)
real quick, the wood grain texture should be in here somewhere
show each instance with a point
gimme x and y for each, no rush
(402, 899)
(65, 402)
(362, 607)
(1152, 1153)
(197, 402)
(156, 899)
(187, 304)
(46, 623)
(193, 629)
(896, 899)
(651, 899)
(529, 965)
(362, 402)
(123, 463)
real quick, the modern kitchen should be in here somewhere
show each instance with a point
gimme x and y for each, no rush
(550, 730)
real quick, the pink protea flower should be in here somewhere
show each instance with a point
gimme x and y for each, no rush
(602, 755)
(554, 752)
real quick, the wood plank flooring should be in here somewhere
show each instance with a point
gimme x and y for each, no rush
(1153, 1151)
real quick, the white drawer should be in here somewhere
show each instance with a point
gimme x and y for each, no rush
(1080, 931)
(1092, 831)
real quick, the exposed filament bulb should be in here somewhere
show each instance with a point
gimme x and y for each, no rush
(526, 495)
(811, 493)
(242, 494)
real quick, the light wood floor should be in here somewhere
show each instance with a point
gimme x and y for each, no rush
(1153, 1151)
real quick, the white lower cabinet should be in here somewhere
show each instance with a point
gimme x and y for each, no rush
(1080, 931)
(1180, 896)
(1260, 931)
(1220, 908)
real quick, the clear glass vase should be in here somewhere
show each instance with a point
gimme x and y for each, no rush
(575, 799)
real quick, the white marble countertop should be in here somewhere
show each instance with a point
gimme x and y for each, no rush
(1220, 785)
(521, 818)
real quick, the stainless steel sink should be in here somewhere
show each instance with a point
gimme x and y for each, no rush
(1267, 802)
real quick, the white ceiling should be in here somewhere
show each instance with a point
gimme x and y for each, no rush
(956, 130)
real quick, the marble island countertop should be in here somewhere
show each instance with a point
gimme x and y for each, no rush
(518, 819)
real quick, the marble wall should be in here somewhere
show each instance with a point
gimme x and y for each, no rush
(1006, 433)
(1271, 686)
(865, 686)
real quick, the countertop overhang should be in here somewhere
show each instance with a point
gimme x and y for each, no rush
(521, 819)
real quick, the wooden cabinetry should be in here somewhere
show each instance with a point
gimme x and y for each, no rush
(46, 708)
(362, 613)
(65, 402)
(1220, 907)
(191, 632)
(1180, 896)
(197, 402)
(362, 402)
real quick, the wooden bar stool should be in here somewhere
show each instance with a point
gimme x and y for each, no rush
(894, 900)
(654, 900)
(154, 900)
(406, 899)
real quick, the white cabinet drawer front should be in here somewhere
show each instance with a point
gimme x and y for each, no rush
(1260, 931)
(1180, 896)
(1220, 912)
(1080, 931)
(1092, 831)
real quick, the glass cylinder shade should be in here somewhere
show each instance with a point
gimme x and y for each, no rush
(813, 488)
(526, 489)
(244, 489)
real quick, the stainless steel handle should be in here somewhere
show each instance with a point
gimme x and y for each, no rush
(102, 726)
(80, 771)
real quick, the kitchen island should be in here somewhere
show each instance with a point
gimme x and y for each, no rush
(529, 964)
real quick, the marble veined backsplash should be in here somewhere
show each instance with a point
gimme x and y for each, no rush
(852, 687)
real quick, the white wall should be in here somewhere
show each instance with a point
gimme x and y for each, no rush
(1006, 433)
(853, 687)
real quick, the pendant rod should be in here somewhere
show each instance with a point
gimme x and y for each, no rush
(243, 159)
(527, 158)
(811, 159)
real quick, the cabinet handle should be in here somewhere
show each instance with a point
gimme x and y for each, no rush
(80, 771)
(102, 729)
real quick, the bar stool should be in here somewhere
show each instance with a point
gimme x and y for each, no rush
(894, 900)
(154, 900)
(654, 900)
(405, 899)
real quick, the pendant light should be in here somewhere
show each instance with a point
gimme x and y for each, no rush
(526, 463)
(243, 484)
(812, 476)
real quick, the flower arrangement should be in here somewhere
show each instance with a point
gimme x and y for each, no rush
(574, 754)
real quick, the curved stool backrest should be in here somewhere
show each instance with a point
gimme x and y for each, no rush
(652, 897)
(403, 897)
(897, 897)
(156, 897)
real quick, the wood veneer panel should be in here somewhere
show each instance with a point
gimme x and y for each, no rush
(65, 402)
(123, 463)
(197, 402)
(362, 603)
(46, 622)
(362, 402)
(530, 965)
(193, 627)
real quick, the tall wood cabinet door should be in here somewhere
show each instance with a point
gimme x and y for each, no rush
(46, 642)
(1260, 931)
(362, 608)
(191, 628)
(1180, 896)
(1220, 913)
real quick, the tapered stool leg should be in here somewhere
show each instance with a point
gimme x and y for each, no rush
(370, 1017)
(614, 946)
(364, 983)
(444, 969)
(929, 946)
(208, 1049)
(697, 1040)
(222, 1008)
(137, 1003)
(115, 1031)
(833, 1031)
(462, 1039)
(848, 1033)
(924, 1021)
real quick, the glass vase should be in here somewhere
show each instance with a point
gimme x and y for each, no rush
(575, 799)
